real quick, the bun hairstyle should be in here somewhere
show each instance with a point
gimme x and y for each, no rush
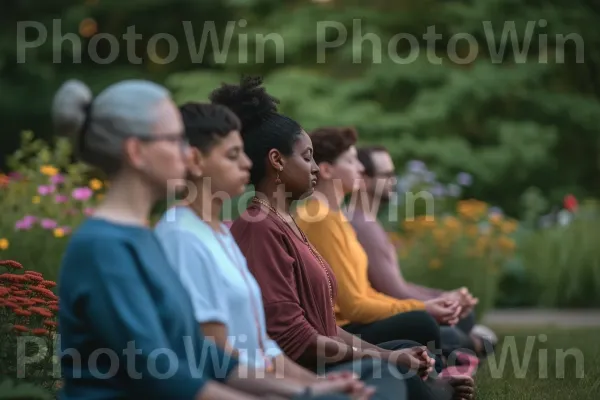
(263, 127)
(98, 127)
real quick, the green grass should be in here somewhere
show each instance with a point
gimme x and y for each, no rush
(528, 365)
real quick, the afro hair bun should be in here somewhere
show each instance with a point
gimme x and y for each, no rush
(248, 100)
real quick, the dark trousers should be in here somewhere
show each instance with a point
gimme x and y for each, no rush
(458, 337)
(416, 326)
(385, 377)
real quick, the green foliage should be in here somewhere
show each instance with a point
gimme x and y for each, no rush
(32, 244)
(564, 262)
(11, 390)
(509, 119)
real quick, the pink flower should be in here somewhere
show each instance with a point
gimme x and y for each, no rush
(88, 211)
(82, 193)
(57, 179)
(60, 198)
(25, 224)
(45, 189)
(47, 223)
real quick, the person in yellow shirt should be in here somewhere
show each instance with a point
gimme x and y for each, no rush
(360, 309)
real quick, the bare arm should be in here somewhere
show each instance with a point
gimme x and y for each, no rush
(217, 332)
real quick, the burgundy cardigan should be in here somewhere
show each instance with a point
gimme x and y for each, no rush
(294, 286)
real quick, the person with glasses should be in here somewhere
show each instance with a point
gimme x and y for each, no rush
(384, 271)
(298, 287)
(226, 298)
(126, 323)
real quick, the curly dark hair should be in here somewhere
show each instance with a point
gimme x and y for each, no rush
(330, 142)
(263, 127)
(207, 123)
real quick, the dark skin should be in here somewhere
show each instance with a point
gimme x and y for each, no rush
(298, 173)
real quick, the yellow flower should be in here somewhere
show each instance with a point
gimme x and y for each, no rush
(506, 243)
(35, 199)
(49, 170)
(435, 263)
(509, 227)
(496, 219)
(59, 232)
(4, 244)
(95, 184)
(472, 230)
(452, 223)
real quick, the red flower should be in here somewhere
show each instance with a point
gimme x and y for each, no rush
(14, 278)
(45, 292)
(33, 277)
(570, 203)
(20, 311)
(10, 304)
(33, 273)
(38, 301)
(20, 292)
(40, 331)
(53, 307)
(50, 323)
(20, 328)
(41, 311)
(48, 284)
(11, 264)
(4, 291)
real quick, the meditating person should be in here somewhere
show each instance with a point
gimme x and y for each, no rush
(298, 287)
(362, 310)
(227, 300)
(126, 322)
(385, 276)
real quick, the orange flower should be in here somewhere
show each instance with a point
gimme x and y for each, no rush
(508, 227)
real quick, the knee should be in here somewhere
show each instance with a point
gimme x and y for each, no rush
(427, 326)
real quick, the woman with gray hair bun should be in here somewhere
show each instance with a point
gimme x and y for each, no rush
(126, 322)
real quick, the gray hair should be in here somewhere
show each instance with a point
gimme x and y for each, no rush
(98, 127)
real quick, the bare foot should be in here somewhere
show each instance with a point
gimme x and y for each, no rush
(464, 387)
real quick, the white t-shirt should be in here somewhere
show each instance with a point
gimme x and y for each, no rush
(221, 287)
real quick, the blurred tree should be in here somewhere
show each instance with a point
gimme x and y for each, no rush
(508, 90)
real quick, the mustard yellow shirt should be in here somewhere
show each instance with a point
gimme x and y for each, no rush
(334, 238)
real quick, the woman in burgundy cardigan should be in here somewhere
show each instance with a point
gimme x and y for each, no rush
(297, 285)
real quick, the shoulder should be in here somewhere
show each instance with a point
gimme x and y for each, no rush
(256, 224)
(312, 214)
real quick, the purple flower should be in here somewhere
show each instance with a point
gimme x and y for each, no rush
(495, 211)
(26, 223)
(60, 198)
(15, 176)
(47, 223)
(57, 179)
(82, 193)
(453, 190)
(438, 190)
(464, 179)
(416, 166)
(44, 190)
(429, 176)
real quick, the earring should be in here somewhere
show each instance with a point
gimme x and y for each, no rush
(277, 180)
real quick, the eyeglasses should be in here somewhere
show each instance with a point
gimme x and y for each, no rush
(183, 141)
